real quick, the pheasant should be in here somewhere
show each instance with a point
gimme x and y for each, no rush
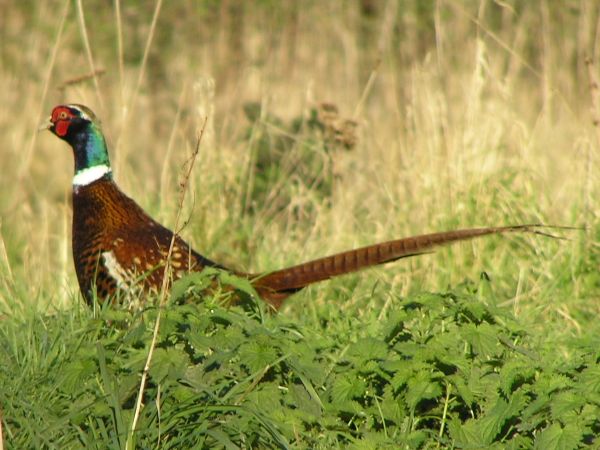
(118, 247)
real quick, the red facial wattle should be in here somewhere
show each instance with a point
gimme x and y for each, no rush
(61, 127)
(61, 118)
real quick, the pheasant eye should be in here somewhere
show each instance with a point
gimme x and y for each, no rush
(62, 115)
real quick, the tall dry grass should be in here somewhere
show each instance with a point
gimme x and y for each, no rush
(470, 113)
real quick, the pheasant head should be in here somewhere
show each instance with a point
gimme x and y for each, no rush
(77, 125)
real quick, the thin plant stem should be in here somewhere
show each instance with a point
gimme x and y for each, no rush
(29, 153)
(88, 51)
(131, 102)
(163, 291)
(120, 52)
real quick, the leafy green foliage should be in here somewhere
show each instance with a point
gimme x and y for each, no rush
(446, 368)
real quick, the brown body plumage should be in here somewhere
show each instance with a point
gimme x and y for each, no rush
(117, 245)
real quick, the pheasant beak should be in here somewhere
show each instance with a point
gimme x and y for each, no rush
(47, 124)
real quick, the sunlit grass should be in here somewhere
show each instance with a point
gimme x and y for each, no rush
(452, 139)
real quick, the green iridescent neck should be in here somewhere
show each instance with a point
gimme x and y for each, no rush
(91, 155)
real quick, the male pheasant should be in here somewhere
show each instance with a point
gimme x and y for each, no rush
(117, 246)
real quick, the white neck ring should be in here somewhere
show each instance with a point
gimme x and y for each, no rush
(89, 175)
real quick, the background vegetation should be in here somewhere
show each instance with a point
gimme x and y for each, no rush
(330, 125)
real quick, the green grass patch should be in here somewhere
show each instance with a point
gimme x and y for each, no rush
(437, 369)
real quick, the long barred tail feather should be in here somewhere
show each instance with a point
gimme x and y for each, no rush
(275, 286)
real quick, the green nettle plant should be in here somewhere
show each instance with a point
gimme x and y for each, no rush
(445, 370)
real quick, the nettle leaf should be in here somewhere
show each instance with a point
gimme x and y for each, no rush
(408, 349)
(370, 441)
(392, 408)
(466, 435)
(347, 387)
(222, 438)
(305, 402)
(429, 352)
(239, 283)
(393, 365)
(589, 380)
(309, 371)
(196, 280)
(182, 393)
(80, 407)
(114, 316)
(421, 387)
(458, 361)
(462, 389)
(135, 359)
(483, 339)
(201, 344)
(557, 438)
(370, 367)
(195, 377)
(220, 359)
(256, 356)
(345, 406)
(548, 382)
(200, 321)
(310, 389)
(427, 300)
(475, 308)
(556, 362)
(517, 401)
(168, 362)
(566, 402)
(590, 415)
(536, 412)
(448, 340)
(517, 442)
(127, 386)
(394, 324)
(515, 371)
(448, 349)
(266, 397)
(482, 383)
(493, 421)
(228, 339)
(379, 441)
(406, 372)
(403, 374)
(76, 373)
(366, 349)
(135, 334)
(171, 323)
(224, 318)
